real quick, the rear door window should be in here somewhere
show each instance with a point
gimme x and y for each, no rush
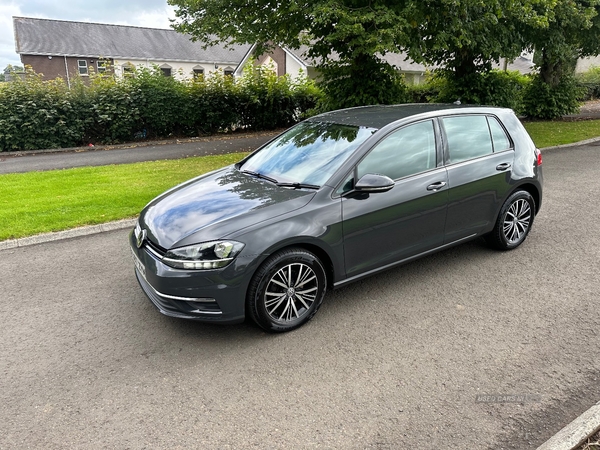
(468, 137)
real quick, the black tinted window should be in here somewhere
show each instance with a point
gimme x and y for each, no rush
(468, 137)
(407, 151)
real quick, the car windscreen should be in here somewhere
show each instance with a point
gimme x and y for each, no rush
(308, 153)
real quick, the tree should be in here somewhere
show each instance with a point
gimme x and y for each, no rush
(11, 68)
(346, 38)
(465, 37)
(8, 70)
(573, 32)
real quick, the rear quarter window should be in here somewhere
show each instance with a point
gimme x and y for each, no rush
(499, 138)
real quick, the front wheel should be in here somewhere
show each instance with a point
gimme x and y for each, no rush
(514, 221)
(287, 290)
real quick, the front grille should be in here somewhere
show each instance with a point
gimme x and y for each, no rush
(157, 250)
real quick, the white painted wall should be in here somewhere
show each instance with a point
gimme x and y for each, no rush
(585, 64)
(179, 70)
(292, 67)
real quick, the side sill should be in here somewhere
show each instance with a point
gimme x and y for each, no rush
(402, 261)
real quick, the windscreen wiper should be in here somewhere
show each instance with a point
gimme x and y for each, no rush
(299, 185)
(260, 175)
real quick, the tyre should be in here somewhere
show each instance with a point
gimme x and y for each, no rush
(514, 221)
(287, 290)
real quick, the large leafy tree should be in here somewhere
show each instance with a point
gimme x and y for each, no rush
(464, 38)
(573, 32)
(345, 38)
(467, 36)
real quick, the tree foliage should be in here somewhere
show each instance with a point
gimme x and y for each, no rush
(572, 32)
(346, 39)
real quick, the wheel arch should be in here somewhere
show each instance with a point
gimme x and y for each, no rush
(318, 251)
(533, 191)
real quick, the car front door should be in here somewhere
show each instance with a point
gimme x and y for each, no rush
(479, 159)
(383, 228)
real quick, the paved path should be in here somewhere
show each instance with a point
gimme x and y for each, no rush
(81, 157)
(396, 361)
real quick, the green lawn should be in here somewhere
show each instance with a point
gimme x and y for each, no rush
(39, 202)
(548, 134)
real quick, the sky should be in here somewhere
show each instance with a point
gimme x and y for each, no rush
(143, 13)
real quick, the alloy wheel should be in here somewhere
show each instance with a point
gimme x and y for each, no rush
(517, 221)
(290, 292)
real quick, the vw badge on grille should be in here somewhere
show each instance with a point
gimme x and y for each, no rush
(140, 237)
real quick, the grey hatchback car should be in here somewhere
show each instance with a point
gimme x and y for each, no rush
(338, 197)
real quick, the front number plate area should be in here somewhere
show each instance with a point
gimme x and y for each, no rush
(139, 265)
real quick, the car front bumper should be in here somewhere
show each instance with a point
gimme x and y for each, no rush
(203, 295)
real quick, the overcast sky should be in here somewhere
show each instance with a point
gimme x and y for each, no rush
(143, 13)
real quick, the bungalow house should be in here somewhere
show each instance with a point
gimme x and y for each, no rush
(58, 48)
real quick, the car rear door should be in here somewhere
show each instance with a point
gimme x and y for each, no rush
(479, 157)
(383, 228)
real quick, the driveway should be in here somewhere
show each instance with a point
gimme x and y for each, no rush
(428, 355)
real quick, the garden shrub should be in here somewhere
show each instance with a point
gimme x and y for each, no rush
(214, 104)
(590, 83)
(37, 114)
(114, 111)
(542, 101)
(426, 92)
(493, 88)
(366, 80)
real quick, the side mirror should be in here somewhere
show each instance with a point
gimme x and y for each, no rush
(374, 183)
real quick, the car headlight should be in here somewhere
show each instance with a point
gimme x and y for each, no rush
(209, 255)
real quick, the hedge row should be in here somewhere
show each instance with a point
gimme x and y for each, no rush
(36, 114)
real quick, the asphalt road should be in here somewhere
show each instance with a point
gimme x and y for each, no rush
(131, 153)
(396, 361)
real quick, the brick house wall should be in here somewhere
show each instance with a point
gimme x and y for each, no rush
(278, 56)
(54, 66)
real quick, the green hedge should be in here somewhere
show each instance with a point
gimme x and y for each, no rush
(36, 114)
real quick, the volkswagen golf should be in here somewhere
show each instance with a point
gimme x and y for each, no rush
(338, 197)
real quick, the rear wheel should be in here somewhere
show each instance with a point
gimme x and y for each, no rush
(514, 221)
(287, 290)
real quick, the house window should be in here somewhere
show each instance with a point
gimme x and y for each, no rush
(198, 73)
(82, 66)
(228, 72)
(166, 71)
(128, 70)
(103, 64)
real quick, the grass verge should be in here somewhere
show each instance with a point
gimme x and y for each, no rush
(549, 134)
(38, 202)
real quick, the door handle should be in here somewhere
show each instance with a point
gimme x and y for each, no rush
(503, 166)
(436, 186)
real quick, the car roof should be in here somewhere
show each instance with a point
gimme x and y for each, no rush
(378, 116)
